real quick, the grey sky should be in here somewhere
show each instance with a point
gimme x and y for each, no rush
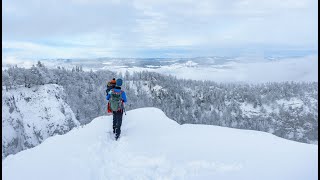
(143, 28)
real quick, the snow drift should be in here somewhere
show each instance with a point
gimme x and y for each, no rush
(152, 146)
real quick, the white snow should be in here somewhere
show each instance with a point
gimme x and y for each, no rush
(293, 103)
(107, 63)
(295, 69)
(154, 147)
(249, 110)
(249, 71)
(237, 69)
(158, 88)
(191, 64)
(31, 115)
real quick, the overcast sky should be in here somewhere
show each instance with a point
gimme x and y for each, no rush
(149, 28)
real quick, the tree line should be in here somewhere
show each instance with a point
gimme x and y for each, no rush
(286, 109)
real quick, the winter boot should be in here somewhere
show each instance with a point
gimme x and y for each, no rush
(117, 137)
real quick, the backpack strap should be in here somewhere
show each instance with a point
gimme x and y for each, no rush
(121, 101)
(121, 95)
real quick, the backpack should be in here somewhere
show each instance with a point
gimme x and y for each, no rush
(116, 100)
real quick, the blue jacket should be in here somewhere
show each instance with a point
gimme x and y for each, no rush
(123, 94)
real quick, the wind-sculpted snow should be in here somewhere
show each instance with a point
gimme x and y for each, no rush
(30, 115)
(152, 146)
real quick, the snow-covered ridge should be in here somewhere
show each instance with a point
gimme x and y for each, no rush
(152, 146)
(31, 115)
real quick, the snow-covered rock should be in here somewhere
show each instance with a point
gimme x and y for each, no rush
(152, 146)
(31, 115)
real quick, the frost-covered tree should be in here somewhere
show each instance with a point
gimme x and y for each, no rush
(245, 106)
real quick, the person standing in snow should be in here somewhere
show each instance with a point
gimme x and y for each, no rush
(117, 98)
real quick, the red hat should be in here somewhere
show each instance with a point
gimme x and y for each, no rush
(113, 81)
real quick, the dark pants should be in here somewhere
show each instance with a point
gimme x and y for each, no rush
(117, 121)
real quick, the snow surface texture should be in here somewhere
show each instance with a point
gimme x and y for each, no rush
(152, 146)
(30, 115)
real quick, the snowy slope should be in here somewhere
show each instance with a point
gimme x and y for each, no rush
(30, 115)
(154, 147)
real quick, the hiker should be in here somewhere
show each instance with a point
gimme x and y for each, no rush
(111, 85)
(117, 98)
